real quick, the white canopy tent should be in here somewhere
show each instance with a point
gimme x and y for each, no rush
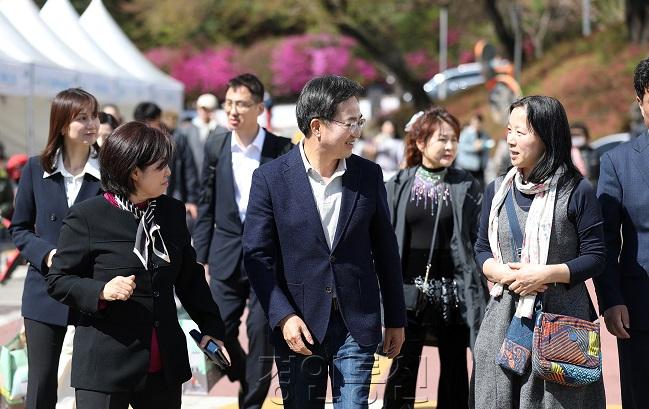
(14, 86)
(24, 108)
(124, 88)
(42, 54)
(100, 26)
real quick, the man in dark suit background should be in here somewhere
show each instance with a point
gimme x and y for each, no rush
(319, 250)
(623, 289)
(183, 183)
(230, 159)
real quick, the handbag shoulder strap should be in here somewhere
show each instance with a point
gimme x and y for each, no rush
(514, 226)
(438, 212)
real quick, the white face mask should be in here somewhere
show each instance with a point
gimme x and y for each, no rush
(578, 141)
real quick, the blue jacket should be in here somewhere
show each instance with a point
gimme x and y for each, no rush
(291, 267)
(41, 206)
(623, 192)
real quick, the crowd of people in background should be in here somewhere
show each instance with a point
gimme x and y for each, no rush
(323, 243)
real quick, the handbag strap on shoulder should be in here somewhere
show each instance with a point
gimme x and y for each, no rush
(514, 226)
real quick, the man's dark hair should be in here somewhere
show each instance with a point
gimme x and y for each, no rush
(547, 118)
(641, 78)
(105, 118)
(320, 98)
(133, 144)
(582, 127)
(147, 111)
(251, 82)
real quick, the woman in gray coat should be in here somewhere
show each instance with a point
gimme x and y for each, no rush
(416, 195)
(563, 246)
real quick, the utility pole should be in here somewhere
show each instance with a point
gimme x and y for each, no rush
(585, 18)
(518, 40)
(443, 44)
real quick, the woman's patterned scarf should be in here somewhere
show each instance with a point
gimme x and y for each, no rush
(148, 231)
(536, 240)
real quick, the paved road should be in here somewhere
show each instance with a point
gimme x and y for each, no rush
(223, 395)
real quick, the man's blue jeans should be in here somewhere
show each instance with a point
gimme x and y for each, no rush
(303, 379)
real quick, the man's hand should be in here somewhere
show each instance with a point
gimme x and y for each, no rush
(393, 341)
(192, 210)
(293, 328)
(616, 319)
(118, 289)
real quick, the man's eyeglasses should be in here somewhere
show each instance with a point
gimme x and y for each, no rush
(353, 127)
(242, 106)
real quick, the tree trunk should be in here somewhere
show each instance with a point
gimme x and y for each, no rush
(504, 34)
(637, 20)
(382, 50)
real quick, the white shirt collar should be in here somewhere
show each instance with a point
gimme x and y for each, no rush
(340, 169)
(258, 142)
(91, 167)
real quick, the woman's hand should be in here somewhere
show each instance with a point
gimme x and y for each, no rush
(119, 288)
(497, 272)
(529, 278)
(533, 278)
(207, 338)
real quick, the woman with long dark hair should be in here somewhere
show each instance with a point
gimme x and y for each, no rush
(67, 172)
(562, 246)
(429, 193)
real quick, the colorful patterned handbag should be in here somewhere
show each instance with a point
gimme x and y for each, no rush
(566, 350)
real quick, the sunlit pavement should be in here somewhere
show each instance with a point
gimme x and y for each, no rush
(224, 394)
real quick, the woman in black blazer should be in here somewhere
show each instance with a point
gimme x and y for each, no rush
(121, 256)
(66, 172)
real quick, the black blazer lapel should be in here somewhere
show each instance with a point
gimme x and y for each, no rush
(55, 188)
(640, 155)
(269, 149)
(350, 182)
(225, 178)
(298, 184)
(89, 188)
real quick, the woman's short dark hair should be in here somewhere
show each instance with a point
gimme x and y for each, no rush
(320, 98)
(66, 105)
(105, 118)
(424, 128)
(133, 144)
(251, 82)
(547, 118)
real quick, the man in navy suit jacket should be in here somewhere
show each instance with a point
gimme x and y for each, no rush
(623, 289)
(230, 159)
(320, 253)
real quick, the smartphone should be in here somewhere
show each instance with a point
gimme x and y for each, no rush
(212, 350)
